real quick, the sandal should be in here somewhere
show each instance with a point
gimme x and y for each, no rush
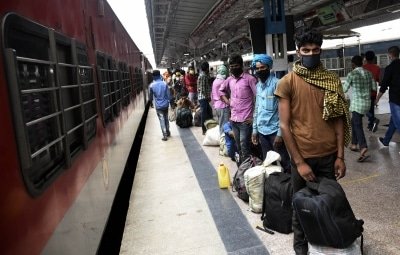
(363, 157)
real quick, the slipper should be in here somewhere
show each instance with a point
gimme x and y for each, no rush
(353, 147)
(363, 151)
(362, 158)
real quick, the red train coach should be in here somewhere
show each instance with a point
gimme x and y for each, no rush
(71, 78)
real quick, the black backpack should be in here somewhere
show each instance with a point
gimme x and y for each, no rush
(238, 183)
(277, 210)
(184, 117)
(325, 214)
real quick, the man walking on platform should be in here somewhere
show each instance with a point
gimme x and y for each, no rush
(376, 73)
(361, 83)
(159, 91)
(239, 91)
(314, 121)
(391, 80)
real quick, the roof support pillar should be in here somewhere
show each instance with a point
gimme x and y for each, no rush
(275, 34)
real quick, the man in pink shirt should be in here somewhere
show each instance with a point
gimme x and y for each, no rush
(239, 91)
(221, 109)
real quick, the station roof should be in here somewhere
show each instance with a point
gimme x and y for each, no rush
(181, 31)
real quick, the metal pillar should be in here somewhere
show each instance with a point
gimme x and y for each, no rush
(275, 33)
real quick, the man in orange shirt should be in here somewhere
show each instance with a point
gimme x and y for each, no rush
(376, 72)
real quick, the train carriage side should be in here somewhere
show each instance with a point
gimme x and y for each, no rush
(70, 80)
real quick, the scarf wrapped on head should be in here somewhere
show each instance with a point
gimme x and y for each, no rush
(335, 104)
(263, 59)
(222, 72)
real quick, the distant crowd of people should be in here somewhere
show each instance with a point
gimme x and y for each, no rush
(304, 116)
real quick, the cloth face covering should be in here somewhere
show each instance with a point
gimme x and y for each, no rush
(263, 74)
(310, 61)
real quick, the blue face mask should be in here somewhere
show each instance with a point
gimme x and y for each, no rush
(310, 61)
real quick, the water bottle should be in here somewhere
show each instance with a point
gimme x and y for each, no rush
(224, 179)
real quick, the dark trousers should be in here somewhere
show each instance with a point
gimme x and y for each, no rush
(357, 131)
(371, 113)
(206, 113)
(242, 133)
(267, 144)
(322, 167)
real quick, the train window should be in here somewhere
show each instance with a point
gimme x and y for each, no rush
(134, 81)
(46, 93)
(138, 80)
(110, 88)
(115, 88)
(126, 89)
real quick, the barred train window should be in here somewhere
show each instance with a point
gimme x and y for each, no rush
(126, 89)
(115, 86)
(51, 88)
(138, 80)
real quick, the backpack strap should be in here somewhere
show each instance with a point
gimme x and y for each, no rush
(313, 186)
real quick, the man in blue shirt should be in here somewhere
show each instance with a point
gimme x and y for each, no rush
(160, 93)
(265, 117)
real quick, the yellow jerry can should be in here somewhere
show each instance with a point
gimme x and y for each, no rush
(224, 179)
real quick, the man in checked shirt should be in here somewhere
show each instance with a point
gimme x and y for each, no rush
(204, 94)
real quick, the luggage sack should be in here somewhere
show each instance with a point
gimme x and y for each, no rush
(325, 214)
(238, 183)
(353, 249)
(277, 208)
(254, 181)
(255, 177)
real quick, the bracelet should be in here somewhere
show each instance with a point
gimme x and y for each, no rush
(340, 158)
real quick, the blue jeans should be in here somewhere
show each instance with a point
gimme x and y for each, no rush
(223, 115)
(267, 144)
(357, 131)
(394, 123)
(162, 115)
(242, 133)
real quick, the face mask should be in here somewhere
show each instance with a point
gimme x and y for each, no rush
(310, 61)
(263, 74)
(236, 71)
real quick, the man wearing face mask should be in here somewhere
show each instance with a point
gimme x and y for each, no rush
(266, 118)
(391, 80)
(222, 110)
(191, 85)
(238, 91)
(314, 121)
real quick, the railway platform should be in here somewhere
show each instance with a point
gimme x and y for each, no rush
(176, 206)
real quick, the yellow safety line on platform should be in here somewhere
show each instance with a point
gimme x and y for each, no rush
(361, 179)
